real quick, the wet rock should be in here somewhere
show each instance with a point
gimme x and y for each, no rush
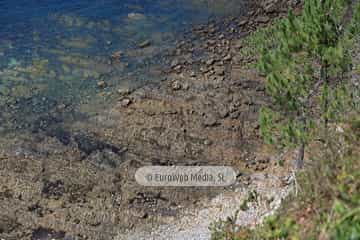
(243, 23)
(179, 51)
(53, 189)
(174, 63)
(239, 45)
(61, 107)
(219, 70)
(45, 122)
(136, 16)
(106, 159)
(260, 88)
(210, 61)
(210, 120)
(102, 84)
(149, 199)
(87, 145)
(178, 68)
(223, 112)
(123, 91)
(7, 224)
(125, 102)
(212, 30)
(227, 57)
(37, 209)
(217, 80)
(235, 114)
(140, 214)
(60, 134)
(46, 234)
(145, 44)
(188, 59)
(6, 193)
(78, 192)
(185, 86)
(251, 84)
(262, 19)
(232, 30)
(270, 6)
(211, 42)
(117, 55)
(176, 85)
(210, 73)
(207, 142)
(294, 3)
(204, 69)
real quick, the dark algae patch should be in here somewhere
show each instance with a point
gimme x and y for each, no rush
(46, 234)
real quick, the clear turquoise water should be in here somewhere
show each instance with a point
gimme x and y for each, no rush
(54, 52)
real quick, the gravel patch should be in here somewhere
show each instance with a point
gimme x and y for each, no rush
(194, 224)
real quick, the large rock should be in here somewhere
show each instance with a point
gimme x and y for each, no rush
(270, 6)
(210, 120)
(7, 224)
(136, 16)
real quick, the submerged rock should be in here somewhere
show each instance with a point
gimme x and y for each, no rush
(125, 102)
(136, 16)
(145, 44)
(88, 144)
(123, 91)
(117, 55)
(174, 63)
(102, 84)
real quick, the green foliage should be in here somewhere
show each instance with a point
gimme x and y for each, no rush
(344, 221)
(311, 57)
(218, 230)
(255, 41)
(355, 127)
(328, 203)
(276, 228)
(283, 133)
(347, 225)
(338, 100)
(354, 28)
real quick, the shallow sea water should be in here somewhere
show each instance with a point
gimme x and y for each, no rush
(54, 53)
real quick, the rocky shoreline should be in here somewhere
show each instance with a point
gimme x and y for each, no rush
(77, 181)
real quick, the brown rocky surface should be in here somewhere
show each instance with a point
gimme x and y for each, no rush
(77, 181)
